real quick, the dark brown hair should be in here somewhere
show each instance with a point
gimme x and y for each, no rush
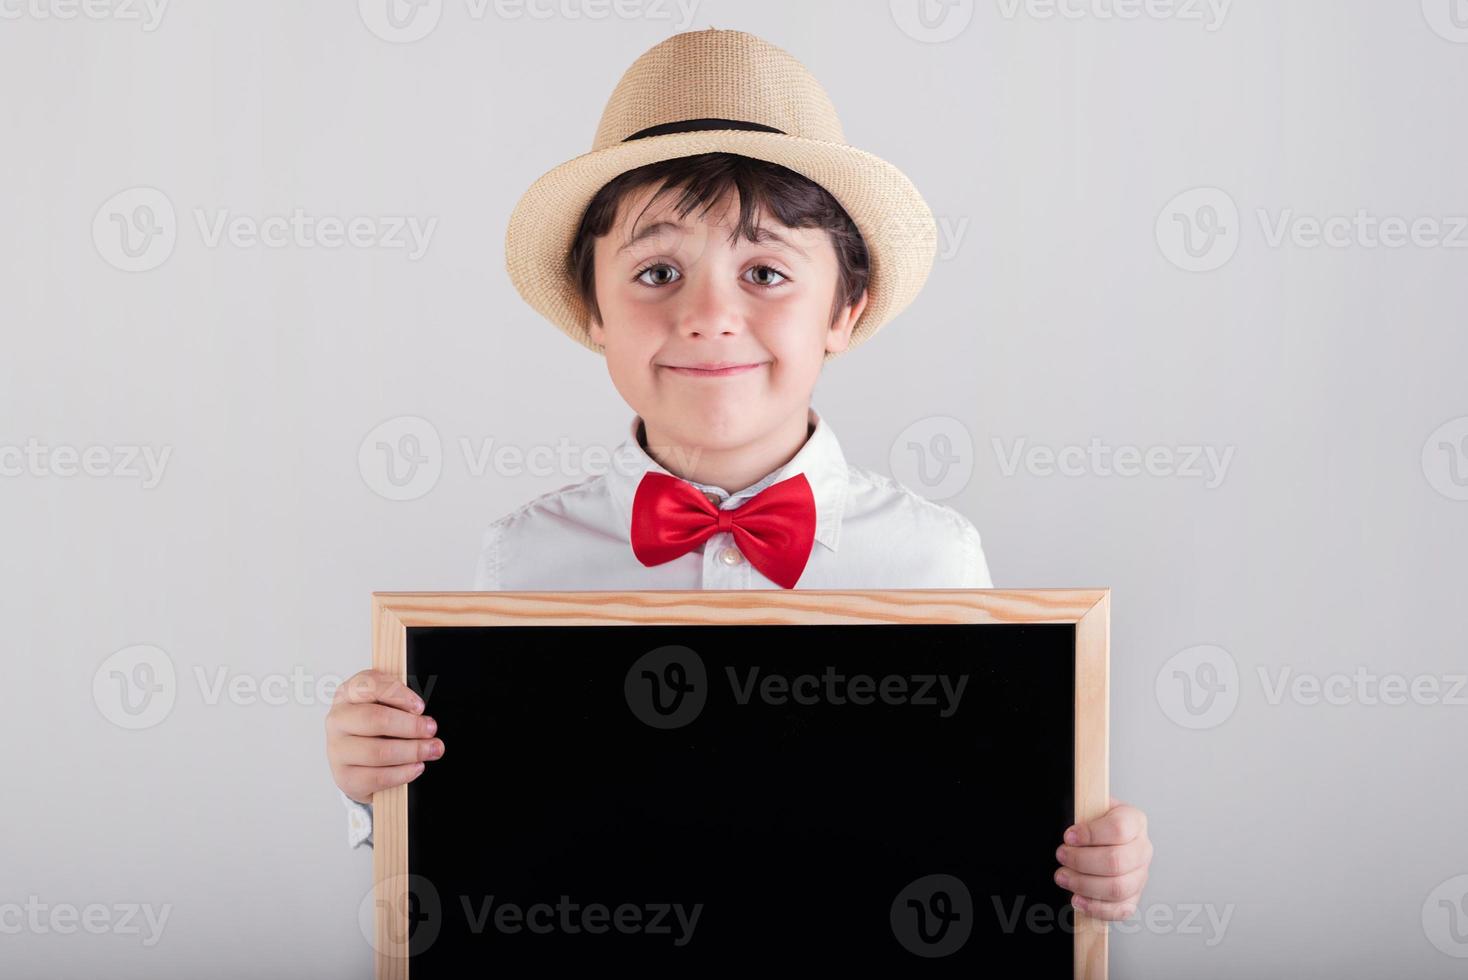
(792, 199)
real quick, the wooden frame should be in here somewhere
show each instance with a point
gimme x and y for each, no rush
(1087, 609)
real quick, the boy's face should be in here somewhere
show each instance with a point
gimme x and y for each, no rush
(683, 296)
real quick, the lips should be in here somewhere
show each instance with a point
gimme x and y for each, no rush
(721, 369)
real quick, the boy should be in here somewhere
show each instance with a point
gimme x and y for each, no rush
(718, 246)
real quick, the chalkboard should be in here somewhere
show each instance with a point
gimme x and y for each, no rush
(715, 783)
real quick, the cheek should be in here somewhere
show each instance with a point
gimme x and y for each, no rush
(626, 369)
(796, 367)
(627, 331)
(630, 358)
(798, 333)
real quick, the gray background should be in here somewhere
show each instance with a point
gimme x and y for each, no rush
(1058, 314)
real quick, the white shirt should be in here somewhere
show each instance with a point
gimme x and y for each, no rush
(871, 533)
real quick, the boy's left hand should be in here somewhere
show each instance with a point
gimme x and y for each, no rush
(1104, 863)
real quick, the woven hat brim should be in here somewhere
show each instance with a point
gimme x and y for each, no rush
(894, 220)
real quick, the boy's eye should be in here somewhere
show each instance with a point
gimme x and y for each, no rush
(662, 269)
(771, 271)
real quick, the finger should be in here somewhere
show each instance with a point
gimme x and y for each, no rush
(366, 780)
(368, 686)
(1105, 910)
(360, 750)
(1103, 888)
(379, 719)
(1106, 859)
(1116, 826)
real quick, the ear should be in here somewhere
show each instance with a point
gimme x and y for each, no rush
(598, 334)
(839, 335)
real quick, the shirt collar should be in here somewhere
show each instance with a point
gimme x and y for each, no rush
(820, 459)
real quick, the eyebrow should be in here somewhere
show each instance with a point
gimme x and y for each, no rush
(762, 236)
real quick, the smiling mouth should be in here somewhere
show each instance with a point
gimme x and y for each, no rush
(721, 372)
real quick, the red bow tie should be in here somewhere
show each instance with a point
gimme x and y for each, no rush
(774, 529)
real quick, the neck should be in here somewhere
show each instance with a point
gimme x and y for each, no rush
(731, 469)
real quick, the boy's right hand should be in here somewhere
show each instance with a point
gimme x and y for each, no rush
(377, 735)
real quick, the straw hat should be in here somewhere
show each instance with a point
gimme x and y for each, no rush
(721, 91)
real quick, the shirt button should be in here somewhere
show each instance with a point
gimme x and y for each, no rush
(713, 498)
(730, 556)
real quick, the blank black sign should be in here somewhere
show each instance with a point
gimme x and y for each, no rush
(721, 799)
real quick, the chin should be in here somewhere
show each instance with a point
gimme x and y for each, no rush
(714, 423)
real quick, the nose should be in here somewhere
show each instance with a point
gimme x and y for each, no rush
(710, 306)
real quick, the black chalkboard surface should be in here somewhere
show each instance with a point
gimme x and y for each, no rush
(720, 797)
